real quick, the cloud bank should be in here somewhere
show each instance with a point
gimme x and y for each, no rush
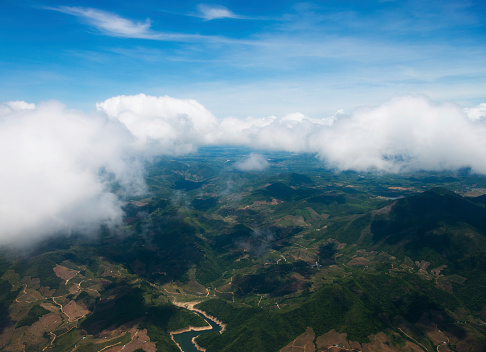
(60, 165)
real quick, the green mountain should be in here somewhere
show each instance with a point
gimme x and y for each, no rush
(283, 259)
(430, 270)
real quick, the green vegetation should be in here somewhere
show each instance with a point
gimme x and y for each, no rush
(127, 305)
(41, 267)
(270, 253)
(92, 347)
(7, 297)
(65, 342)
(353, 306)
(34, 315)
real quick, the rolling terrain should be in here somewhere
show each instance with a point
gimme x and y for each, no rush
(293, 258)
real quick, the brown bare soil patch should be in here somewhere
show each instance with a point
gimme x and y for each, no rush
(15, 344)
(259, 203)
(443, 348)
(75, 311)
(46, 291)
(243, 257)
(140, 339)
(109, 273)
(64, 273)
(6, 336)
(93, 287)
(379, 343)
(194, 286)
(383, 211)
(19, 339)
(401, 188)
(31, 282)
(437, 337)
(46, 323)
(411, 347)
(359, 261)
(50, 307)
(303, 343)
(333, 341)
(437, 271)
(296, 220)
(422, 265)
(470, 344)
(74, 289)
(330, 339)
(314, 215)
(28, 295)
(138, 204)
(445, 282)
(475, 192)
(225, 288)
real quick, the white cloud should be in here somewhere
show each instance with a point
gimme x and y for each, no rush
(116, 26)
(254, 162)
(406, 133)
(290, 133)
(60, 164)
(476, 113)
(110, 23)
(11, 106)
(215, 12)
(162, 124)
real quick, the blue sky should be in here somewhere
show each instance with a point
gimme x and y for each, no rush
(91, 90)
(242, 58)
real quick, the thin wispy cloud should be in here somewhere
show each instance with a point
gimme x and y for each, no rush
(111, 24)
(215, 12)
(115, 26)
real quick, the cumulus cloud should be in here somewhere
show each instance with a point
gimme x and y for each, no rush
(477, 112)
(163, 125)
(254, 162)
(60, 165)
(56, 166)
(11, 106)
(406, 133)
(290, 133)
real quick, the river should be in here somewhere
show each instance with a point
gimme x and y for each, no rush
(185, 339)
